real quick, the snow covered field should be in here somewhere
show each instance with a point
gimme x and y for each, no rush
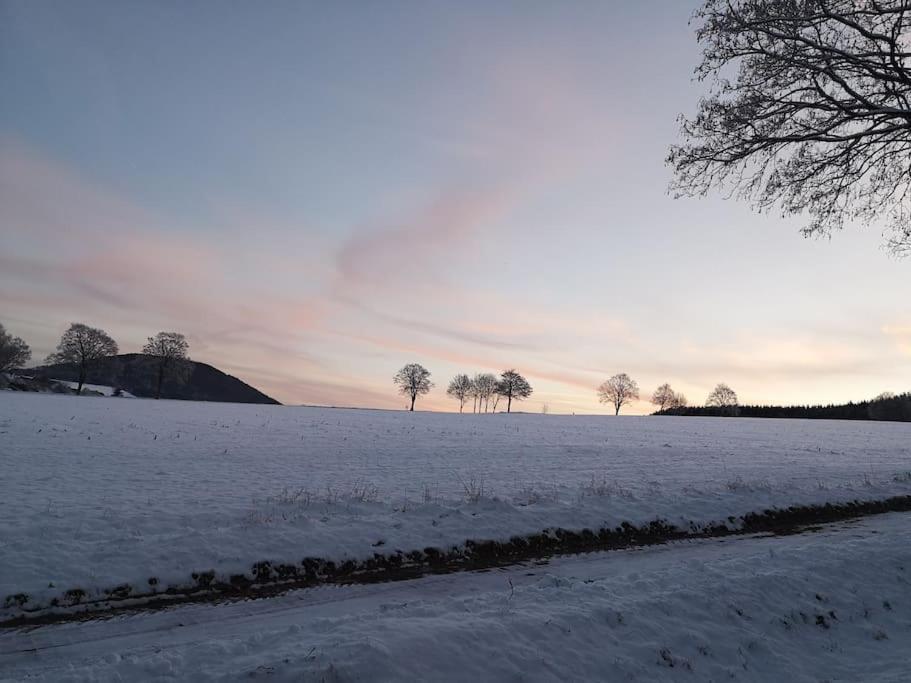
(809, 607)
(96, 492)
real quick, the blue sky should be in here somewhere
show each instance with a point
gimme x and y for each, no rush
(317, 193)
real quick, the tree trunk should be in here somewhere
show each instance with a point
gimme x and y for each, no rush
(412, 403)
(81, 380)
(617, 410)
(509, 403)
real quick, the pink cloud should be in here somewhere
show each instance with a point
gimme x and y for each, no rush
(406, 250)
(72, 248)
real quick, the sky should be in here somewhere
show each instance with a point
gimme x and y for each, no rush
(318, 193)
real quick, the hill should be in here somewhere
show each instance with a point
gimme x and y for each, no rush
(887, 408)
(136, 373)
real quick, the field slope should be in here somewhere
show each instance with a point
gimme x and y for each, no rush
(136, 373)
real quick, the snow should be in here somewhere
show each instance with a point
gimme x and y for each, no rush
(96, 493)
(102, 389)
(807, 607)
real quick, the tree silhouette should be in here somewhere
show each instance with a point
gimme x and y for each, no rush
(664, 397)
(513, 386)
(619, 390)
(809, 109)
(14, 352)
(170, 349)
(413, 380)
(82, 346)
(723, 397)
(460, 388)
(485, 385)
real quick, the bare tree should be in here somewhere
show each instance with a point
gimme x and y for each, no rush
(83, 346)
(664, 397)
(170, 349)
(413, 380)
(619, 390)
(460, 388)
(486, 386)
(14, 352)
(723, 397)
(809, 109)
(679, 401)
(513, 386)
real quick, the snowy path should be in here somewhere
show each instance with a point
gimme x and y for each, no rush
(828, 605)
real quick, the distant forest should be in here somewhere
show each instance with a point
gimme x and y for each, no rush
(896, 408)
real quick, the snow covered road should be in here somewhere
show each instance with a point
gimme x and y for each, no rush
(830, 605)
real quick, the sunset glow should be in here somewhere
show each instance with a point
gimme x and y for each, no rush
(473, 191)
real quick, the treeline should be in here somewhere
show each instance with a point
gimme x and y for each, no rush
(622, 389)
(484, 390)
(887, 407)
(85, 347)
